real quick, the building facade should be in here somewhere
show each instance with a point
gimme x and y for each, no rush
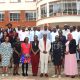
(39, 12)
(18, 12)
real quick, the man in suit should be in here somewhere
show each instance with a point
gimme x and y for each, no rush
(44, 46)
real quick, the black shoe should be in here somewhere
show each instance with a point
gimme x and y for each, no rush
(14, 74)
(23, 74)
(17, 74)
(26, 74)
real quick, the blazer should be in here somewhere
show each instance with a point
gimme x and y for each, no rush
(41, 45)
(72, 46)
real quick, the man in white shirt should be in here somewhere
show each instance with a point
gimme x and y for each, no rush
(23, 34)
(31, 34)
(66, 31)
(38, 32)
(45, 31)
(53, 34)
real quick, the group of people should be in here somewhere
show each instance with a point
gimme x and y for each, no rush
(27, 46)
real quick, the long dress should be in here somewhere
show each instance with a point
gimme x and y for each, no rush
(6, 53)
(35, 58)
(70, 65)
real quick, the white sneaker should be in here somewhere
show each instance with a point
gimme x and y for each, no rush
(3, 75)
(6, 74)
(54, 76)
(59, 76)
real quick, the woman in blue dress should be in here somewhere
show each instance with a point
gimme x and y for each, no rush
(6, 53)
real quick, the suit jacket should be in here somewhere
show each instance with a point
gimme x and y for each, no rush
(72, 46)
(41, 45)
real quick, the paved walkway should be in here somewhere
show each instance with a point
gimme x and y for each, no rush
(30, 77)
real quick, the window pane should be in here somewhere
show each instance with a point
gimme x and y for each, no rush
(1, 16)
(14, 16)
(43, 11)
(30, 16)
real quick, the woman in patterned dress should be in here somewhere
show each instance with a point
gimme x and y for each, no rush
(25, 57)
(6, 52)
(57, 50)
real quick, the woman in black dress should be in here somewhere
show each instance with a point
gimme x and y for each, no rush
(57, 50)
(16, 55)
(35, 56)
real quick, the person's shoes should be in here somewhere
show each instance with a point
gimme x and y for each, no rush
(59, 76)
(23, 74)
(17, 74)
(3, 75)
(14, 74)
(41, 75)
(54, 76)
(6, 74)
(46, 75)
(26, 74)
(34, 74)
(72, 76)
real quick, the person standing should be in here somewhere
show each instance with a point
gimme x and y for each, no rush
(57, 50)
(6, 53)
(25, 57)
(70, 63)
(44, 46)
(16, 55)
(35, 54)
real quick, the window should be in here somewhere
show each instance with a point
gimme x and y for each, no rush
(15, 0)
(14, 16)
(70, 7)
(54, 8)
(43, 11)
(63, 7)
(31, 16)
(78, 7)
(1, 16)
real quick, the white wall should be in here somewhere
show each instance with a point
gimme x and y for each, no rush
(18, 6)
(60, 19)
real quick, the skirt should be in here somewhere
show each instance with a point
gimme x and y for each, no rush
(70, 65)
(25, 59)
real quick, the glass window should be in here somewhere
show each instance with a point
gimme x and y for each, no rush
(63, 7)
(1, 16)
(31, 16)
(14, 16)
(43, 11)
(54, 8)
(78, 7)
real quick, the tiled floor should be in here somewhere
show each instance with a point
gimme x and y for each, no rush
(30, 77)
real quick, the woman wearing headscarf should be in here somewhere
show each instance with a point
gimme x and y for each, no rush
(70, 65)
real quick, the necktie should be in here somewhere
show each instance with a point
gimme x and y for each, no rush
(45, 44)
